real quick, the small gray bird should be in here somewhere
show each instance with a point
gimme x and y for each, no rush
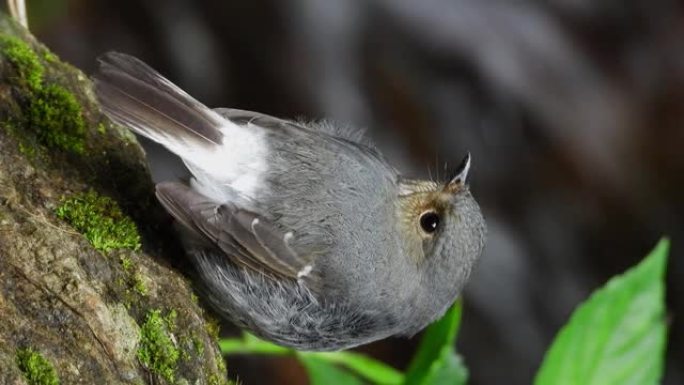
(300, 232)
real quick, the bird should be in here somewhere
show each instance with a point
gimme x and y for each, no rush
(300, 232)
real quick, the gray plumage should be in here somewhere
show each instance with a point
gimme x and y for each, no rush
(300, 232)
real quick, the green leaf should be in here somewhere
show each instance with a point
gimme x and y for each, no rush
(250, 344)
(322, 372)
(364, 366)
(618, 335)
(436, 361)
(447, 370)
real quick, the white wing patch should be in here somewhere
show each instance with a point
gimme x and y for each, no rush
(239, 162)
(304, 272)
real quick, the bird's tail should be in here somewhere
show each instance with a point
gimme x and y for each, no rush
(133, 94)
(220, 154)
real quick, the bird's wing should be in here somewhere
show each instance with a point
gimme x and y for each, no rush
(247, 238)
(335, 130)
(243, 117)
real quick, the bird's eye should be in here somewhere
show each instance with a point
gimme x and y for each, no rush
(429, 221)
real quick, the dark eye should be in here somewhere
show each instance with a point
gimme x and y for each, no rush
(429, 222)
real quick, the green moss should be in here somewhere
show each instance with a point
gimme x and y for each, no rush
(171, 319)
(157, 351)
(28, 144)
(213, 328)
(36, 369)
(55, 116)
(192, 346)
(50, 57)
(215, 379)
(139, 285)
(28, 151)
(221, 365)
(25, 61)
(50, 110)
(198, 344)
(100, 219)
(126, 263)
(132, 281)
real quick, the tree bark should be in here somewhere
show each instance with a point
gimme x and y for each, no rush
(77, 291)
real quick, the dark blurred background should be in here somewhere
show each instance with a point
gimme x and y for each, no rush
(573, 111)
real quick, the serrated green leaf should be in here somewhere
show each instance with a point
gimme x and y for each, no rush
(618, 336)
(322, 372)
(436, 359)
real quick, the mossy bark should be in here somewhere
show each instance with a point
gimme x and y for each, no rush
(83, 308)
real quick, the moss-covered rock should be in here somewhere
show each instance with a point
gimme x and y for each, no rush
(50, 110)
(55, 115)
(36, 369)
(157, 350)
(76, 204)
(28, 68)
(100, 219)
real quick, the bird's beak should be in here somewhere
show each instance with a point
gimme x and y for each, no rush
(461, 173)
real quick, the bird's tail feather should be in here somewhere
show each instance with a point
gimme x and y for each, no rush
(133, 94)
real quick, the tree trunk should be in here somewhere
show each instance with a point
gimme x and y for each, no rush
(87, 294)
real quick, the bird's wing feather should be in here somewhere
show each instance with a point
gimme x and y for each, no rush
(336, 130)
(248, 238)
(243, 117)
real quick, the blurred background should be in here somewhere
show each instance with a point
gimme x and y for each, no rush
(573, 111)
